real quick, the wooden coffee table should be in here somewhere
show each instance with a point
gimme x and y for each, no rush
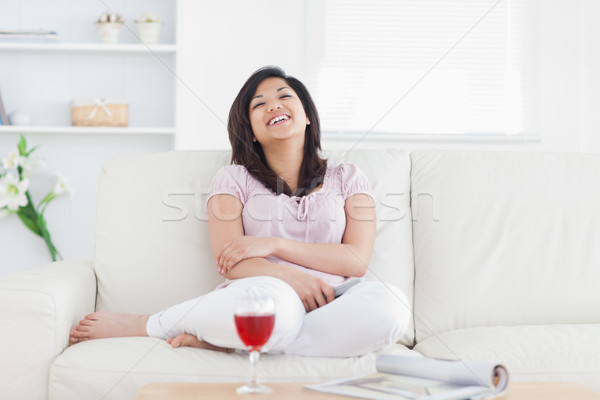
(293, 391)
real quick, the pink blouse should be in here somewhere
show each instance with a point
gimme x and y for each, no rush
(318, 217)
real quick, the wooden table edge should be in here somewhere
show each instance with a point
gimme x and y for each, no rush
(524, 390)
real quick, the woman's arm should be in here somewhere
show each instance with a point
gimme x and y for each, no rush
(225, 226)
(350, 258)
(313, 291)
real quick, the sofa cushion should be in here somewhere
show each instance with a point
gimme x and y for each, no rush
(152, 247)
(117, 368)
(392, 262)
(504, 238)
(542, 352)
(152, 243)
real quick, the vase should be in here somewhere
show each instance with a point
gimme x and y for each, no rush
(109, 31)
(148, 32)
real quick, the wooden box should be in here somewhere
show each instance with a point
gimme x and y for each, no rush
(99, 112)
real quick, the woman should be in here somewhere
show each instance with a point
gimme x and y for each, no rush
(284, 220)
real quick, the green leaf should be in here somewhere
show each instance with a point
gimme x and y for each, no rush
(47, 238)
(49, 197)
(33, 220)
(30, 223)
(29, 216)
(41, 222)
(22, 146)
(29, 206)
(31, 151)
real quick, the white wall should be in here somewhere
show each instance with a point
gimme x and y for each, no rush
(590, 73)
(220, 45)
(570, 90)
(238, 36)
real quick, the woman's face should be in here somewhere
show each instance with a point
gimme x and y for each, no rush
(276, 113)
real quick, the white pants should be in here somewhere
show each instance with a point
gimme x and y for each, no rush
(368, 317)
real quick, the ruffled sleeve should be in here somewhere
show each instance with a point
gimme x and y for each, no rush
(232, 180)
(353, 181)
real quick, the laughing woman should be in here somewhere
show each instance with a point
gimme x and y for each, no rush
(284, 220)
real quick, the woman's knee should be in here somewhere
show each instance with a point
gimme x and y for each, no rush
(289, 310)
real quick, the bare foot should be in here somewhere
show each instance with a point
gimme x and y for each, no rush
(185, 339)
(105, 324)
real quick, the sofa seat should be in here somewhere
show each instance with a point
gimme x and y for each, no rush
(531, 352)
(117, 368)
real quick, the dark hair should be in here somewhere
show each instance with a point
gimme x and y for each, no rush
(250, 154)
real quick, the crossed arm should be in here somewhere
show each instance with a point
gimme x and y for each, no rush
(239, 256)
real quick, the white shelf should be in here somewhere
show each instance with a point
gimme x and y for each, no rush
(40, 77)
(99, 48)
(88, 130)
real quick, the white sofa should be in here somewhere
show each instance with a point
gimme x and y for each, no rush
(499, 253)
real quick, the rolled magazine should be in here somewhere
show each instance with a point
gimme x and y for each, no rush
(401, 377)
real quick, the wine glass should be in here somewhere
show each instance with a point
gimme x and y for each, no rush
(254, 314)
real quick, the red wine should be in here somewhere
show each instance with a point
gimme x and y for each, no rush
(254, 329)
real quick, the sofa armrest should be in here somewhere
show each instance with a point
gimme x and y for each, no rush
(38, 307)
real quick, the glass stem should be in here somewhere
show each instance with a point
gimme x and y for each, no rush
(254, 356)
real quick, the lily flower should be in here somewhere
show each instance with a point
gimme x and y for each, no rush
(12, 192)
(63, 186)
(13, 160)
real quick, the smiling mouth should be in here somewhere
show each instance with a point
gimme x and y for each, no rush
(278, 119)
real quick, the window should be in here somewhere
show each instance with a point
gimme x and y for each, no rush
(422, 66)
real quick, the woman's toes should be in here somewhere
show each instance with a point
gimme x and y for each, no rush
(185, 339)
(176, 341)
(78, 334)
(92, 316)
(81, 329)
(188, 340)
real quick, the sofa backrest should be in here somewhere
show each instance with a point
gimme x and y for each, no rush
(152, 243)
(504, 238)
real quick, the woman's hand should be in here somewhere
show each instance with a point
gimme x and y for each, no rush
(241, 248)
(313, 291)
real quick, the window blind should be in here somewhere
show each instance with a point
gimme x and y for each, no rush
(421, 66)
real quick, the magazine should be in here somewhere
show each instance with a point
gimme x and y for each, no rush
(401, 377)
(31, 35)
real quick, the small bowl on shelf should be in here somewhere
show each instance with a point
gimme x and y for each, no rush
(148, 28)
(109, 27)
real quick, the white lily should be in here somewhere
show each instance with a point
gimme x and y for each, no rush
(13, 160)
(12, 192)
(63, 186)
